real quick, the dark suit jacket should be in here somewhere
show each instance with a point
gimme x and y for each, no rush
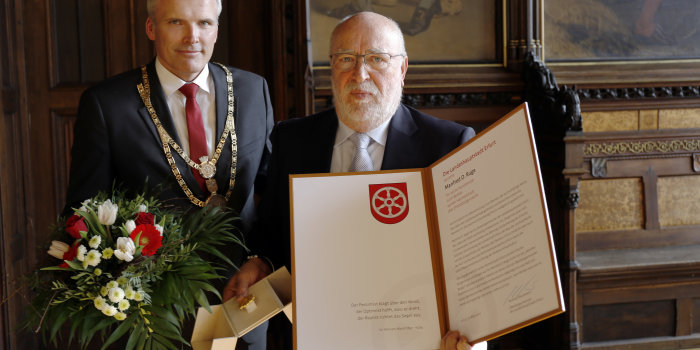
(117, 143)
(305, 146)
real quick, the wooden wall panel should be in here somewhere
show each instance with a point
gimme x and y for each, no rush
(610, 204)
(17, 251)
(695, 316)
(62, 129)
(629, 321)
(679, 200)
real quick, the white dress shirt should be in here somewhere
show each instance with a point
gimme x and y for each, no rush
(343, 148)
(206, 98)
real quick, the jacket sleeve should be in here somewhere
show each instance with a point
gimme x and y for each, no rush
(91, 167)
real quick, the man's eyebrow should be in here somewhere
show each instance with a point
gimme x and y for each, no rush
(353, 51)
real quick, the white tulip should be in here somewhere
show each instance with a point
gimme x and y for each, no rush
(125, 249)
(57, 249)
(107, 212)
(130, 225)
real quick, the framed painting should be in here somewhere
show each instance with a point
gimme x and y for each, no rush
(622, 41)
(577, 30)
(435, 31)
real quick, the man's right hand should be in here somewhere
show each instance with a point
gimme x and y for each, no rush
(453, 340)
(252, 271)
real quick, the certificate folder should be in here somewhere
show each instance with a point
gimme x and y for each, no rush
(394, 259)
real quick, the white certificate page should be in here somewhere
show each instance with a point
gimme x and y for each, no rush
(499, 264)
(362, 270)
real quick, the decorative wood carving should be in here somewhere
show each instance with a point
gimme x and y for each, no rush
(642, 147)
(560, 104)
(638, 93)
(598, 168)
(572, 199)
(556, 112)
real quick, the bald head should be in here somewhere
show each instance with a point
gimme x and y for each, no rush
(378, 25)
(368, 66)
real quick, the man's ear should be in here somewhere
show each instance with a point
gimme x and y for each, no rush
(404, 68)
(150, 29)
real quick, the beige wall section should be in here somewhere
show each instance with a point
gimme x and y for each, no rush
(679, 200)
(647, 119)
(679, 118)
(610, 204)
(610, 121)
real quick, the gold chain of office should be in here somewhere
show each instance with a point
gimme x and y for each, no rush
(206, 167)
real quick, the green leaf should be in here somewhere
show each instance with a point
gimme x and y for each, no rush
(120, 331)
(166, 315)
(141, 344)
(57, 323)
(166, 329)
(54, 268)
(74, 265)
(165, 342)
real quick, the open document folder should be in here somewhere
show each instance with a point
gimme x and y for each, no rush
(394, 259)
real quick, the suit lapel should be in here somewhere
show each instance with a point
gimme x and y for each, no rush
(327, 130)
(221, 97)
(401, 141)
(223, 170)
(160, 105)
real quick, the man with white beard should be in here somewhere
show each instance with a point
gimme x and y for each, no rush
(368, 65)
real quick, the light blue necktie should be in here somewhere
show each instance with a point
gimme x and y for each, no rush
(361, 161)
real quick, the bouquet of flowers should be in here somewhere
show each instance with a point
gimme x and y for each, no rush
(130, 268)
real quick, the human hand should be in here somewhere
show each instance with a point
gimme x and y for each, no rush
(454, 341)
(252, 271)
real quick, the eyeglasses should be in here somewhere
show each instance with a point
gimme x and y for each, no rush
(376, 61)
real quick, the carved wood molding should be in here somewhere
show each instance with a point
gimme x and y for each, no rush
(461, 99)
(646, 147)
(419, 100)
(638, 93)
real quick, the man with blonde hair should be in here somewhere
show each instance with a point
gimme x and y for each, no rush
(117, 141)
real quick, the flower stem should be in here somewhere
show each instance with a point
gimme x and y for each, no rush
(109, 234)
(44, 314)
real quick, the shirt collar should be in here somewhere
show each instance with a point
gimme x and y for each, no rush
(171, 83)
(378, 134)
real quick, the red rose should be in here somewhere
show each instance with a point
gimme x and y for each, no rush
(143, 218)
(70, 254)
(150, 239)
(74, 225)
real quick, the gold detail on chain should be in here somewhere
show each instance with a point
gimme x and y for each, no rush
(206, 167)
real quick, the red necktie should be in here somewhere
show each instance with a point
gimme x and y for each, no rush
(195, 130)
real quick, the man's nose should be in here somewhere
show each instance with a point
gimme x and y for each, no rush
(191, 34)
(359, 72)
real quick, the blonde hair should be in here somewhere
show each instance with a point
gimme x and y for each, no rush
(151, 4)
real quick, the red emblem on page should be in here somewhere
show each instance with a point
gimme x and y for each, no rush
(389, 202)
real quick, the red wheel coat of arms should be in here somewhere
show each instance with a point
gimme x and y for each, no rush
(389, 202)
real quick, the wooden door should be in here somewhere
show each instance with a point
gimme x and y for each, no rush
(57, 48)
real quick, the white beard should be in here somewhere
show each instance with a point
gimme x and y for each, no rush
(366, 115)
